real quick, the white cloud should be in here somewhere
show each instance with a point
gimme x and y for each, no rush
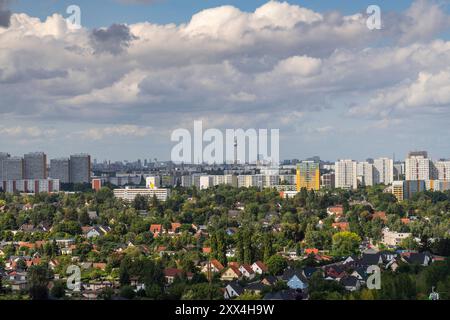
(279, 66)
(116, 131)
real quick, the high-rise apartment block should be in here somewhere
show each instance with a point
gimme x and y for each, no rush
(35, 165)
(60, 169)
(327, 181)
(346, 176)
(442, 170)
(80, 168)
(383, 171)
(3, 156)
(404, 190)
(12, 168)
(308, 175)
(418, 166)
(365, 171)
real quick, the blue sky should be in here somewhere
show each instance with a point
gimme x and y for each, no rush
(101, 13)
(333, 87)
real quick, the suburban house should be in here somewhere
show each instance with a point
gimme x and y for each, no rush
(171, 273)
(233, 290)
(351, 283)
(259, 268)
(247, 271)
(97, 231)
(231, 273)
(213, 266)
(335, 211)
(295, 279)
(156, 229)
(392, 238)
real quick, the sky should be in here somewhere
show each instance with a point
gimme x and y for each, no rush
(139, 69)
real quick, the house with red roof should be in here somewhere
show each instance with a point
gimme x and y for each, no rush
(231, 273)
(171, 273)
(213, 266)
(337, 210)
(381, 215)
(342, 226)
(156, 229)
(259, 268)
(247, 271)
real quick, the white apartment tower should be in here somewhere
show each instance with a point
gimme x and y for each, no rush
(346, 175)
(418, 166)
(365, 172)
(383, 171)
(442, 170)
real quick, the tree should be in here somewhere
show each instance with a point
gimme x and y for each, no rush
(345, 243)
(58, 290)
(140, 202)
(127, 292)
(38, 281)
(276, 264)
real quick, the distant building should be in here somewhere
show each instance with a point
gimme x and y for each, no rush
(346, 174)
(327, 181)
(96, 184)
(80, 168)
(365, 172)
(60, 169)
(308, 175)
(3, 156)
(442, 170)
(35, 165)
(12, 168)
(438, 185)
(128, 194)
(418, 166)
(206, 182)
(383, 171)
(393, 239)
(152, 182)
(31, 186)
(404, 190)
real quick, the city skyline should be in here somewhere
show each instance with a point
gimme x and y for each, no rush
(315, 71)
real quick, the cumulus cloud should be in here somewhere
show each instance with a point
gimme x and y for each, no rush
(121, 131)
(113, 39)
(280, 65)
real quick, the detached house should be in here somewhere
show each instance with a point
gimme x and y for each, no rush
(247, 271)
(97, 231)
(233, 290)
(171, 273)
(156, 229)
(213, 266)
(259, 268)
(295, 279)
(231, 273)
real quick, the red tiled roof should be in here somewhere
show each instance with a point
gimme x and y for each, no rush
(343, 226)
(175, 226)
(262, 266)
(216, 263)
(206, 250)
(173, 272)
(248, 268)
(155, 228)
(381, 215)
(336, 209)
(235, 270)
(309, 251)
